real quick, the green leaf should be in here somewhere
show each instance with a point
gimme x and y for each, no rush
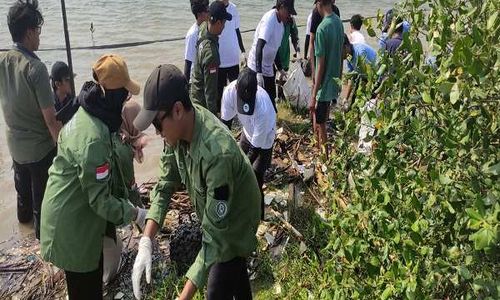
(491, 20)
(426, 97)
(493, 170)
(454, 94)
(473, 214)
(484, 239)
(387, 293)
(444, 179)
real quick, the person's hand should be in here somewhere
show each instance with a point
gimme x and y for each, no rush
(243, 59)
(138, 145)
(142, 263)
(282, 75)
(312, 105)
(140, 220)
(260, 80)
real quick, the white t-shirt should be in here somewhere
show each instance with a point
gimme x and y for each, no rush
(308, 25)
(190, 42)
(270, 29)
(229, 49)
(357, 38)
(260, 127)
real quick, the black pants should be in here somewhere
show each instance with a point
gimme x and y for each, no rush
(229, 280)
(30, 181)
(270, 87)
(260, 160)
(225, 75)
(85, 286)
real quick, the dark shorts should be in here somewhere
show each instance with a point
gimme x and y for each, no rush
(323, 111)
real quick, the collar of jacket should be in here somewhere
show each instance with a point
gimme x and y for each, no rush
(25, 51)
(207, 34)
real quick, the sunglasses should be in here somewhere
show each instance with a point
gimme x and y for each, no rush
(157, 122)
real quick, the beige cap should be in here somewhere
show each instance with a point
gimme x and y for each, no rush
(112, 74)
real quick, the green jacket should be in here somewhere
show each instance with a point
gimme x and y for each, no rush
(205, 72)
(223, 188)
(79, 199)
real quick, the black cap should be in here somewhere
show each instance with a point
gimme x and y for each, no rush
(289, 4)
(217, 11)
(59, 71)
(165, 86)
(246, 87)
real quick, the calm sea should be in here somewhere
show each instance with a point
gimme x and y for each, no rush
(121, 21)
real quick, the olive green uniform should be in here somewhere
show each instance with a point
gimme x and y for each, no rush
(206, 68)
(222, 187)
(80, 199)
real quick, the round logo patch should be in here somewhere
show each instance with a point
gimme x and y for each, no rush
(246, 107)
(221, 209)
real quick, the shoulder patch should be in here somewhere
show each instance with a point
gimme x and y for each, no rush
(221, 209)
(222, 193)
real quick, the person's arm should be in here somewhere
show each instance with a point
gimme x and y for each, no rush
(306, 45)
(320, 72)
(168, 182)
(240, 40)
(228, 109)
(54, 126)
(259, 55)
(39, 77)
(210, 64)
(187, 69)
(277, 61)
(312, 58)
(220, 191)
(94, 173)
(294, 34)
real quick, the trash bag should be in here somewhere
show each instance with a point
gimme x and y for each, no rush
(296, 88)
(367, 128)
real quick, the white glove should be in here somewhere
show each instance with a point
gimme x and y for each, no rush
(282, 75)
(142, 262)
(260, 80)
(243, 59)
(140, 220)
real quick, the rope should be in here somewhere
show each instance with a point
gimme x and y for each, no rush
(137, 44)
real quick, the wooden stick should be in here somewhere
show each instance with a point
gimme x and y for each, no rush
(287, 225)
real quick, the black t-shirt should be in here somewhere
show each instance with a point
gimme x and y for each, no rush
(317, 18)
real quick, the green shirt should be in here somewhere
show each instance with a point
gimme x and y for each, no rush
(204, 78)
(284, 50)
(328, 43)
(223, 188)
(79, 198)
(24, 91)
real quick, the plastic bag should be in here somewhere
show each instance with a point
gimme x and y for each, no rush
(296, 88)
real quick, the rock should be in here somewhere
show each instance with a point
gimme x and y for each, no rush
(119, 296)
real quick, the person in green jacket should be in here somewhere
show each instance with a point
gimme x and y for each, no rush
(204, 79)
(201, 154)
(82, 202)
(282, 61)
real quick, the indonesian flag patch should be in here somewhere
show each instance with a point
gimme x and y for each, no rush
(212, 69)
(102, 172)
